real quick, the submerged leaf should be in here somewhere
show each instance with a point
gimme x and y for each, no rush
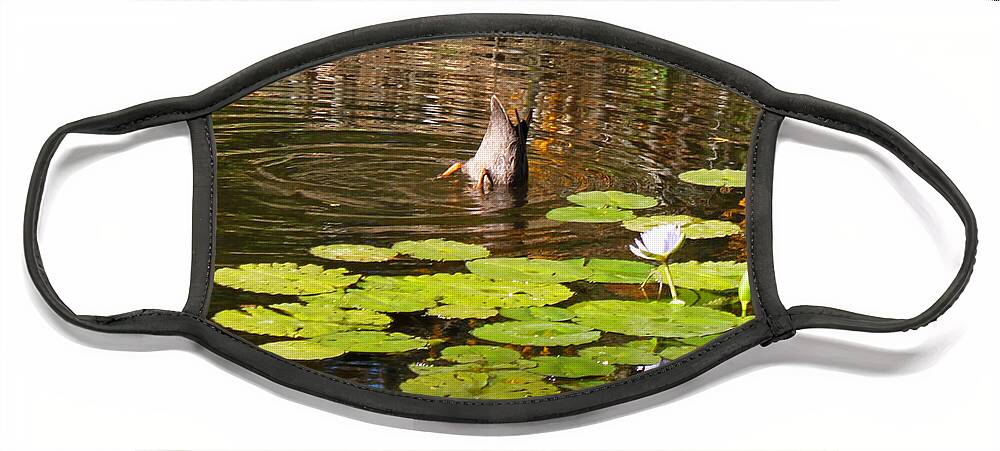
(537, 313)
(375, 300)
(472, 290)
(614, 199)
(460, 311)
(440, 250)
(329, 345)
(581, 384)
(535, 270)
(693, 228)
(716, 276)
(589, 214)
(299, 321)
(652, 319)
(480, 353)
(284, 278)
(571, 367)
(716, 177)
(353, 252)
(536, 333)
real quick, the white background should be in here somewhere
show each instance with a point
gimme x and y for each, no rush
(853, 229)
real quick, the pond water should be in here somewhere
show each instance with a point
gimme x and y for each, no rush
(347, 152)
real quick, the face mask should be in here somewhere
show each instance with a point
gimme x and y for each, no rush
(486, 218)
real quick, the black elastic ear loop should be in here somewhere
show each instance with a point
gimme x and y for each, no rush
(852, 121)
(148, 321)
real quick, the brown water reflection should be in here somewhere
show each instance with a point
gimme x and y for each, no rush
(347, 152)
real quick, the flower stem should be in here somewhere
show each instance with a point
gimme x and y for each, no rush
(670, 282)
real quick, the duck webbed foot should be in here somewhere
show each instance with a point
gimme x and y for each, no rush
(484, 176)
(451, 170)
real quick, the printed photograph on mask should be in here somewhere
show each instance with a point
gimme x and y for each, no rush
(483, 218)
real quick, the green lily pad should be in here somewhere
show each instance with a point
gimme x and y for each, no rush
(513, 384)
(353, 252)
(729, 178)
(375, 300)
(510, 384)
(570, 367)
(617, 271)
(652, 319)
(461, 311)
(304, 349)
(619, 355)
(589, 214)
(676, 352)
(447, 384)
(613, 199)
(715, 276)
(440, 250)
(693, 228)
(284, 278)
(537, 313)
(534, 270)
(537, 333)
(329, 345)
(299, 321)
(472, 290)
(480, 353)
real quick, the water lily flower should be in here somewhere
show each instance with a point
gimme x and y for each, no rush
(657, 244)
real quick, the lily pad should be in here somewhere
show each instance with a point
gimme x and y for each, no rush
(677, 351)
(693, 228)
(304, 349)
(472, 290)
(480, 353)
(537, 333)
(515, 385)
(570, 367)
(729, 178)
(440, 250)
(447, 384)
(510, 384)
(652, 319)
(461, 311)
(535, 270)
(327, 346)
(614, 199)
(715, 276)
(537, 313)
(353, 252)
(375, 300)
(617, 271)
(284, 278)
(619, 355)
(299, 321)
(589, 214)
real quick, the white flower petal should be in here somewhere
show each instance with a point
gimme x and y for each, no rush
(639, 253)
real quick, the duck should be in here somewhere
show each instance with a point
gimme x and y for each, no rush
(502, 157)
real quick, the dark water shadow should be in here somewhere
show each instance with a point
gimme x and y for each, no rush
(803, 349)
(883, 161)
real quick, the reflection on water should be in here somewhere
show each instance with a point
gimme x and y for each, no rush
(347, 152)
